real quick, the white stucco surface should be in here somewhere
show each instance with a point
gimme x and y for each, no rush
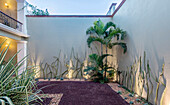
(147, 25)
(22, 49)
(21, 14)
(49, 35)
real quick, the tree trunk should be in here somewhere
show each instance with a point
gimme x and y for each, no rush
(101, 55)
(101, 49)
(106, 64)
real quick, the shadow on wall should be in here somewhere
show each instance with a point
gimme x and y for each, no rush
(61, 66)
(49, 69)
(134, 54)
(67, 66)
(160, 61)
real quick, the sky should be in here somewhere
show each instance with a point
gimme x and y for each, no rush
(74, 7)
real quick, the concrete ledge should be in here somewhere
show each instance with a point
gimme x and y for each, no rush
(12, 31)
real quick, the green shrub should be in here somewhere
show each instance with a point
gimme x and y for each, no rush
(20, 88)
(97, 68)
(104, 34)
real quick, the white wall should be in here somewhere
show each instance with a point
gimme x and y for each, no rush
(21, 14)
(147, 24)
(22, 49)
(49, 35)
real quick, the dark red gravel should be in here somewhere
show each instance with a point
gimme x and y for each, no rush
(83, 93)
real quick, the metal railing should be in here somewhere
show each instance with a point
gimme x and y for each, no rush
(9, 21)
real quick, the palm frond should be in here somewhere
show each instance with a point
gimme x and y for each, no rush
(89, 69)
(117, 33)
(104, 35)
(98, 27)
(100, 59)
(109, 25)
(90, 31)
(123, 45)
(123, 35)
(94, 38)
(94, 57)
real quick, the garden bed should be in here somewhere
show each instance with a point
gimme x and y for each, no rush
(126, 95)
(74, 92)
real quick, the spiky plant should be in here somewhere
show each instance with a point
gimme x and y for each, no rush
(147, 71)
(77, 66)
(20, 88)
(159, 82)
(104, 35)
(149, 77)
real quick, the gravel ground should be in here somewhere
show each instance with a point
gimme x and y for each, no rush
(80, 93)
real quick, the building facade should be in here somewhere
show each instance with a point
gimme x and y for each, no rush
(13, 28)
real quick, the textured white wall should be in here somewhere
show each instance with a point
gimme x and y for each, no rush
(49, 35)
(147, 24)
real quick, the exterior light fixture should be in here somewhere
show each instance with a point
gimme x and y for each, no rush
(7, 5)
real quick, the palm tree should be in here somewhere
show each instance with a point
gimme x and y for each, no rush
(104, 34)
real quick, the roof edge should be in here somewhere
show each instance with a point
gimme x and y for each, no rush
(68, 15)
(120, 5)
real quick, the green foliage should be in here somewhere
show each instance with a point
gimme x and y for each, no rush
(40, 12)
(123, 45)
(97, 68)
(4, 100)
(36, 11)
(91, 39)
(108, 25)
(20, 88)
(105, 33)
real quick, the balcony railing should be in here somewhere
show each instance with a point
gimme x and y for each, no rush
(9, 21)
